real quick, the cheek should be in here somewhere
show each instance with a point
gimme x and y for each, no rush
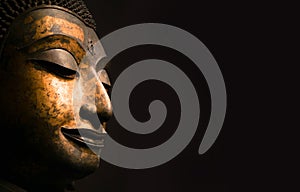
(49, 98)
(55, 101)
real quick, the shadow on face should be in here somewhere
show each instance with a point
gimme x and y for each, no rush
(54, 104)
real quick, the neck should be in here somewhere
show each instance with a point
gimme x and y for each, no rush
(35, 185)
(32, 177)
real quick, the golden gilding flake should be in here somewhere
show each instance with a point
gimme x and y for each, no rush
(45, 27)
(28, 20)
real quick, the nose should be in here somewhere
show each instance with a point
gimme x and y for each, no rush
(101, 109)
(103, 103)
(88, 113)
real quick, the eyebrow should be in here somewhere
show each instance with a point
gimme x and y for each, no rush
(57, 41)
(49, 25)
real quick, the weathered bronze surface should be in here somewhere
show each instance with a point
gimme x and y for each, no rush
(50, 94)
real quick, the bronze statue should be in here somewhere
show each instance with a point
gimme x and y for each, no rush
(50, 94)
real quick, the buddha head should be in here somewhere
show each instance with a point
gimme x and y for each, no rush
(54, 95)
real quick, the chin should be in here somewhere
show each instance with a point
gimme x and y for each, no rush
(76, 161)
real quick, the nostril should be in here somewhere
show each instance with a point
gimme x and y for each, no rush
(104, 109)
(104, 116)
(89, 113)
(89, 108)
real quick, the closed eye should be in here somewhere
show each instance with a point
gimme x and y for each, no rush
(55, 69)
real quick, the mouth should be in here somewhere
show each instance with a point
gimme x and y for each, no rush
(85, 137)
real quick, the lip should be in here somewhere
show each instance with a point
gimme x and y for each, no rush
(85, 137)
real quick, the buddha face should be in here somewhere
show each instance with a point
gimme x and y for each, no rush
(54, 104)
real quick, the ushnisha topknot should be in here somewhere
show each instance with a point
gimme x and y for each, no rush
(10, 9)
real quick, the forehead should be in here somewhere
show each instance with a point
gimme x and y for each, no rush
(44, 22)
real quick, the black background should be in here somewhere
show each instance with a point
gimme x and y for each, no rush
(227, 32)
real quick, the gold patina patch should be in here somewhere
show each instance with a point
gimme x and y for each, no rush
(48, 25)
